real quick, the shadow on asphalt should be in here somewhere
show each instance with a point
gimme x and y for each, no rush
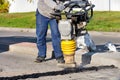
(1, 51)
(102, 48)
(118, 47)
(5, 42)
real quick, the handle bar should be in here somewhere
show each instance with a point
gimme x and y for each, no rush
(76, 4)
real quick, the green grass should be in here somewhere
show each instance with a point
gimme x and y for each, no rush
(101, 21)
(18, 20)
(105, 21)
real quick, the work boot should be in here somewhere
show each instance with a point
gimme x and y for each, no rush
(60, 59)
(61, 62)
(40, 59)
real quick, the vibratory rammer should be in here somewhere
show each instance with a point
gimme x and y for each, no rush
(72, 21)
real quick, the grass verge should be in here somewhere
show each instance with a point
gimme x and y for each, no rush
(18, 20)
(101, 21)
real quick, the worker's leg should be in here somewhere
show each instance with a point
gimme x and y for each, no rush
(41, 31)
(55, 38)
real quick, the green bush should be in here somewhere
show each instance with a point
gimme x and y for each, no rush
(4, 6)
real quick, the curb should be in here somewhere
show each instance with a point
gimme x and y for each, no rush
(20, 29)
(34, 30)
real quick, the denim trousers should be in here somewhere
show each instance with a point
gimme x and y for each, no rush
(41, 32)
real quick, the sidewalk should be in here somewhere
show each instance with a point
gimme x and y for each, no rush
(26, 43)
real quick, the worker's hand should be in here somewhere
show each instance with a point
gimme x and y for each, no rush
(56, 15)
(60, 7)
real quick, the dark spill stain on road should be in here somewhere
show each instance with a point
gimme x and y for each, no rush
(54, 73)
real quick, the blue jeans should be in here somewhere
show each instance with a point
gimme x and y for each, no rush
(41, 32)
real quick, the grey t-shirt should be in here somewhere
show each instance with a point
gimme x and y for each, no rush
(45, 7)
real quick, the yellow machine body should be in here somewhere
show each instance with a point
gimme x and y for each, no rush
(68, 47)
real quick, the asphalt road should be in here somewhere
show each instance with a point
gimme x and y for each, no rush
(15, 66)
(22, 66)
(100, 38)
